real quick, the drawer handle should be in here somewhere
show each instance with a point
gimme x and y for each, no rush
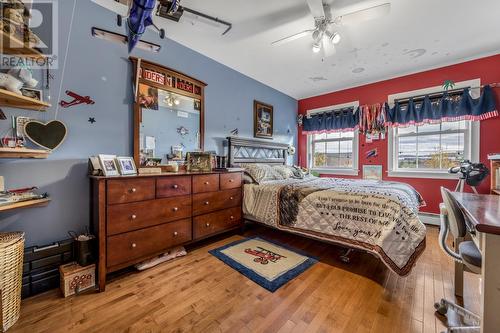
(176, 233)
(175, 186)
(175, 209)
(207, 183)
(133, 190)
(207, 203)
(232, 217)
(207, 225)
(134, 245)
(231, 198)
(231, 180)
(133, 216)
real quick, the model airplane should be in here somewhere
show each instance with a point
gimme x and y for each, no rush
(77, 99)
(139, 18)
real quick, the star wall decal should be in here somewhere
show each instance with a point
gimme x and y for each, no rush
(91, 120)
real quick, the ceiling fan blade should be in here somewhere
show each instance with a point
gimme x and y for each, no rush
(328, 48)
(366, 14)
(292, 37)
(316, 8)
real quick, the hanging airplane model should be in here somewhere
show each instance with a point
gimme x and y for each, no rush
(140, 17)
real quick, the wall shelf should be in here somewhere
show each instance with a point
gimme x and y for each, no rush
(16, 47)
(13, 100)
(25, 204)
(23, 153)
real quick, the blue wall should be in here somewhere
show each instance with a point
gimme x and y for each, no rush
(101, 70)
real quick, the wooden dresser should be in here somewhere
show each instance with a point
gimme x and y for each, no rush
(139, 217)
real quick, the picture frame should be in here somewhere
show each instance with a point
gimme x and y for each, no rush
(108, 165)
(198, 162)
(263, 120)
(126, 165)
(372, 172)
(32, 93)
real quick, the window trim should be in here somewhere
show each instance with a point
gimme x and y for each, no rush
(471, 150)
(354, 171)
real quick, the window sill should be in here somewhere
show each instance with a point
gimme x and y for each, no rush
(340, 172)
(422, 174)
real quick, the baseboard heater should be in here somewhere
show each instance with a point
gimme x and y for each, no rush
(41, 266)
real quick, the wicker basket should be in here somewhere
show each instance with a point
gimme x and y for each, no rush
(11, 271)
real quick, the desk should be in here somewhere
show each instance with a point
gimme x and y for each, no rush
(484, 213)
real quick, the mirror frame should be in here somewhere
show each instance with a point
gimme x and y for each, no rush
(177, 80)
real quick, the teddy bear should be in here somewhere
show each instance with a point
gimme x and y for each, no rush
(14, 21)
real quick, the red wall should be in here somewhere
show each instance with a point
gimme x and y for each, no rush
(487, 69)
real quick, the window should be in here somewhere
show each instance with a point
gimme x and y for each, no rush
(333, 153)
(435, 147)
(429, 150)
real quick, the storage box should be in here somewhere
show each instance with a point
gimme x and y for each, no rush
(75, 278)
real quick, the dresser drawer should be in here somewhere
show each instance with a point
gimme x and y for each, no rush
(173, 186)
(138, 215)
(205, 183)
(212, 223)
(141, 243)
(130, 190)
(209, 202)
(230, 180)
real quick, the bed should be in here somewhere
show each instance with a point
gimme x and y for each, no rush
(378, 217)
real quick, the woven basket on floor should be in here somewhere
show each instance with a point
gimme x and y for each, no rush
(11, 272)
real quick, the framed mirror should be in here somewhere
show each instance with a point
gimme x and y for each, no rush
(168, 115)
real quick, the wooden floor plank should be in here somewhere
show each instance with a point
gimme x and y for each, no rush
(199, 293)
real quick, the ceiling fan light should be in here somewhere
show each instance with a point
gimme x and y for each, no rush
(336, 38)
(316, 47)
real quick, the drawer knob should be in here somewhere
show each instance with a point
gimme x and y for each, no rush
(231, 198)
(176, 233)
(207, 203)
(175, 186)
(133, 217)
(207, 183)
(175, 209)
(207, 225)
(231, 180)
(134, 245)
(133, 190)
(232, 217)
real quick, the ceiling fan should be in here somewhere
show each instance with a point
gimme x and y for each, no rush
(325, 33)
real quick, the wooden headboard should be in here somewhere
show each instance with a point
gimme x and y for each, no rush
(256, 151)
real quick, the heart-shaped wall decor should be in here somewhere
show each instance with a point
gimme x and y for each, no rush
(48, 136)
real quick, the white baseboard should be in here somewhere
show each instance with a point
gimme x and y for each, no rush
(429, 218)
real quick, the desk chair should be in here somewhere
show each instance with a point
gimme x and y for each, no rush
(452, 219)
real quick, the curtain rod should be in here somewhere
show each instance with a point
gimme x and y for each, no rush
(439, 94)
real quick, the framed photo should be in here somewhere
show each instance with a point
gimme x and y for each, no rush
(148, 97)
(373, 172)
(32, 93)
(108, 165)
(263, 120)
(126, 165)
(198, 162)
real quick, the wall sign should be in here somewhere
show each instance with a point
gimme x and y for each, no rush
(153, 76)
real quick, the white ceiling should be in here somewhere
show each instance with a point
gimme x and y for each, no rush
(416, 35)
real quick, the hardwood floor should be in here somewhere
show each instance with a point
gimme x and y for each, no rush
(198, 293)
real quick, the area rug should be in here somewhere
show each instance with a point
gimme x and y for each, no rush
(265, 262)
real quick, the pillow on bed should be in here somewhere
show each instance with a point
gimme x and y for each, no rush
(247, 179)
(261, 172)
(284, 171)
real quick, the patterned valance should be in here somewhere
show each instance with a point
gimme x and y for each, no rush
(445, 108)
(332, 121)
